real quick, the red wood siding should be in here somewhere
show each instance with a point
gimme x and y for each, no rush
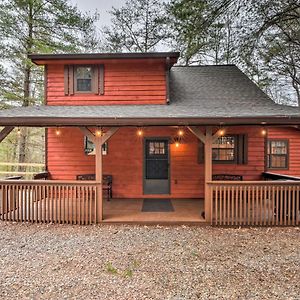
(125, 82)
(124, 161)
(293, 136)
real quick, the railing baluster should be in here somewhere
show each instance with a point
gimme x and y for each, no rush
(297, 206)
(289, 199)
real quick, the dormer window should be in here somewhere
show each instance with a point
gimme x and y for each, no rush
(83, 79)
(88, 79)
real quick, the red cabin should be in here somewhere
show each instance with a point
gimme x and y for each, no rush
(179, 143)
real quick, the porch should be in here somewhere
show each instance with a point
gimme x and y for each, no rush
(259, 203)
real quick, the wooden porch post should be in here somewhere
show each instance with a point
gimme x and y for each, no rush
(207, 139)
(208, 172)
(98, 142)
(98, 172)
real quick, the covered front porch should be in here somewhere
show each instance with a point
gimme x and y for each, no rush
(225, 203)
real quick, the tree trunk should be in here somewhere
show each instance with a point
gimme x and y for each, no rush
(26, 85)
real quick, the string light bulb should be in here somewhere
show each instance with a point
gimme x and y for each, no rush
(177, 144)
(19, 131)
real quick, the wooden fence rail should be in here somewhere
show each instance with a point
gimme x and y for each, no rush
(48, 201)
(250, 203)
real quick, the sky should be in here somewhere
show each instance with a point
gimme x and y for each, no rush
(102, 6)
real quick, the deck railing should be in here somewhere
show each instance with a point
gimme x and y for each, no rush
(250, 203)
(48, 201)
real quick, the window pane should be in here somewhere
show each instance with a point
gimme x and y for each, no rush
(224, 149)
(278, 147)
(278, 161)
(156, 148)
(84, 79)
(277, 154)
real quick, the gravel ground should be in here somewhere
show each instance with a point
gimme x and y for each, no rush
(148, 262)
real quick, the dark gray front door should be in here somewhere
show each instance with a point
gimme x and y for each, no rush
(156, 166)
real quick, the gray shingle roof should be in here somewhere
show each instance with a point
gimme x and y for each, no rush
(199, 93)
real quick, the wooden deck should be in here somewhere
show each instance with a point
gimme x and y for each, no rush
(115, 211)
(130, 211)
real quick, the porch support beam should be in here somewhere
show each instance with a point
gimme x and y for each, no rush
(208, 172)
(198, 133)
(109, 134)
(98, 173)
(88, 133)
(5, 132)
(98, 142)
(207, 139)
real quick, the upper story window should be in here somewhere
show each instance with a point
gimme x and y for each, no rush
(277, 154)
(84, 79)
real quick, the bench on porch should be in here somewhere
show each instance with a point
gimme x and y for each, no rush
(227, 177)
(106, 182)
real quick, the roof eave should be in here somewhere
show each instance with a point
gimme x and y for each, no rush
(77, 122)
(38, 58)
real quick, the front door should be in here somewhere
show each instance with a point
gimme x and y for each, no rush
(156, 166)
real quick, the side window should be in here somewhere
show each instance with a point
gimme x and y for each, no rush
(84, 79)
(277, 154)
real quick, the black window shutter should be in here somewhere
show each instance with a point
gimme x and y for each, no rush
(71, 80)
(242, 149)
(66, 79)
(95, 80)
(101, 79)
(200, 153)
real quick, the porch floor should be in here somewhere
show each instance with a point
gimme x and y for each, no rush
(114, 211)
(130, 210)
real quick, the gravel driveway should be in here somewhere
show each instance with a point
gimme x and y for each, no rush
(140, 262)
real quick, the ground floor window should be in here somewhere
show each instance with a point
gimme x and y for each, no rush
(277, 155)
(224, 149)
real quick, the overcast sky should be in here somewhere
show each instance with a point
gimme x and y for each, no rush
(102, 6)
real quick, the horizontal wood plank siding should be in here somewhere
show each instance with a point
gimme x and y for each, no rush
(293, 136)
(124, 161)
(128, 82)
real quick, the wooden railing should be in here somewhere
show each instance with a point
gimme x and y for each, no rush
(48, 201)
(250, 203)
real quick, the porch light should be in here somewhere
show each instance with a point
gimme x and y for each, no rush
(177, 142)
(180, 132)
(57, 131)
(139, 132)
(221, 131)
(264, 132)
(98, 131)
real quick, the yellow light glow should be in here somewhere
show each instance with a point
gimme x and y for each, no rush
(221, 132)
(177, 144)
(264, 132)
(180, 132)
(140, 132)
(57, 131)
(98, 132)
